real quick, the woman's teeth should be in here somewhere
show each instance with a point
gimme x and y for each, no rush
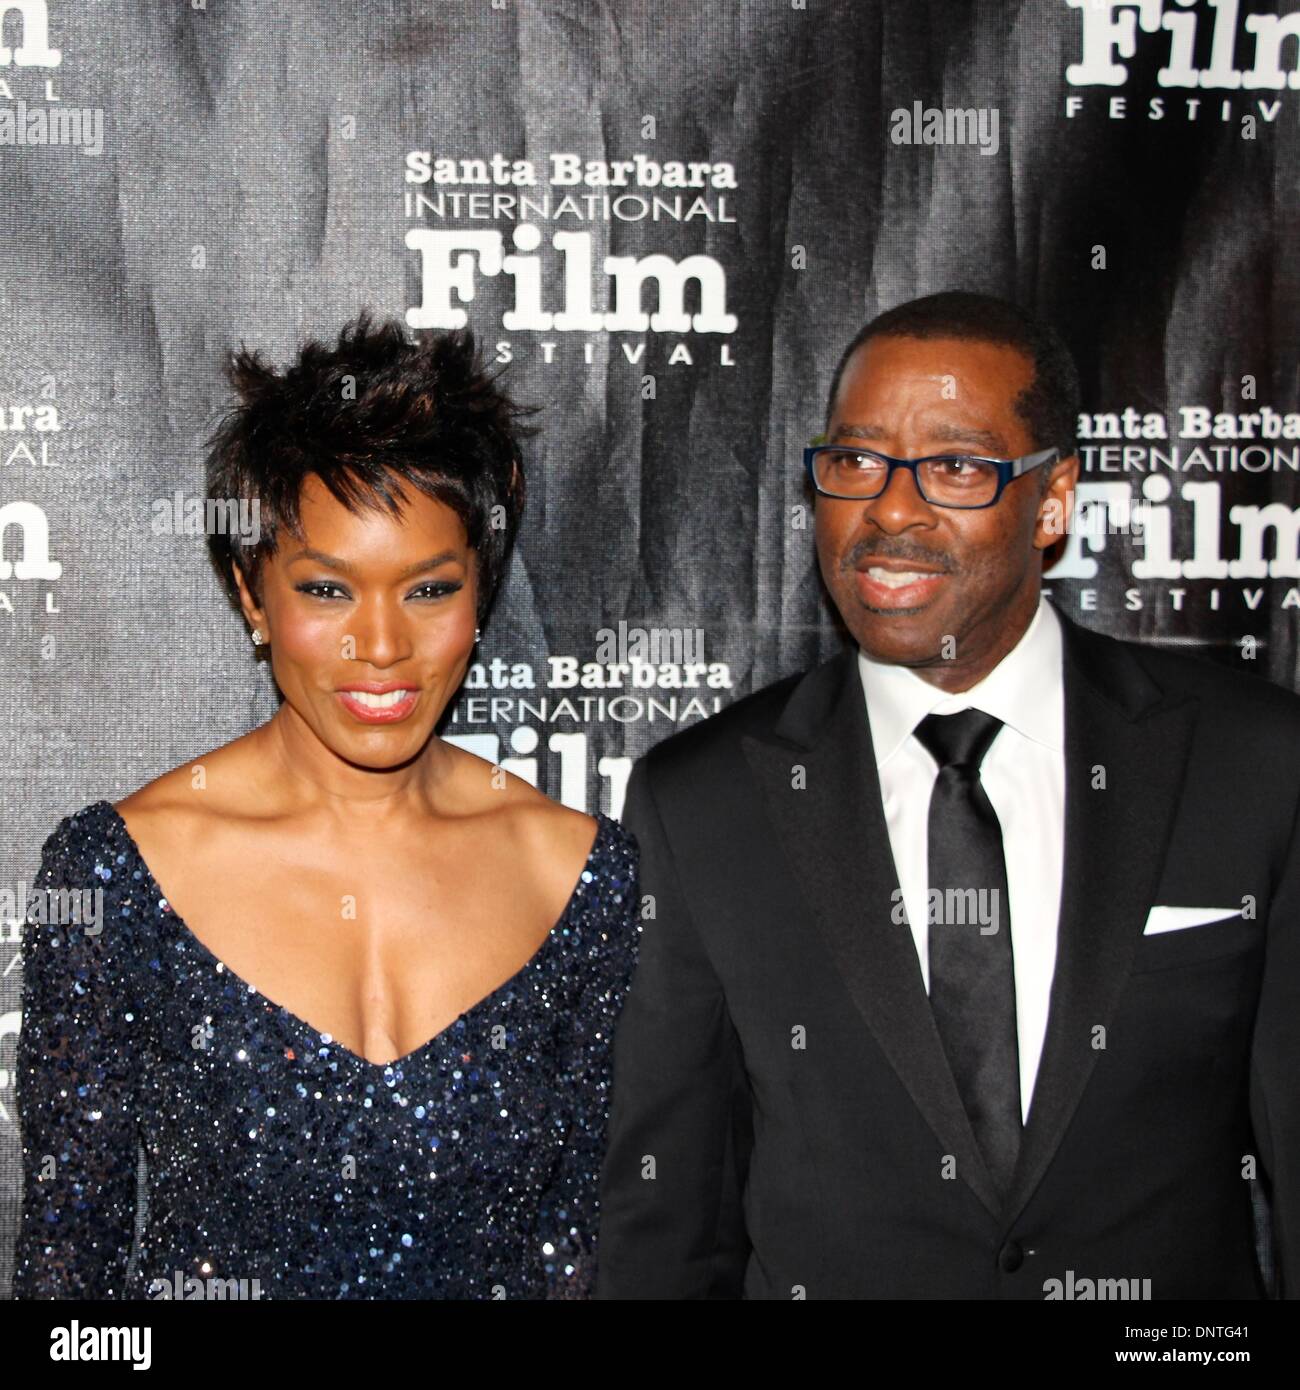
(385, 701)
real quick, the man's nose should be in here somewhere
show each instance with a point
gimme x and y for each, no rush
(900, 505)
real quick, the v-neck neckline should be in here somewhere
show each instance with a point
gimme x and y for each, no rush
(328, 1039)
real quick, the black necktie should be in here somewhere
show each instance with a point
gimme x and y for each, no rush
(972, 980)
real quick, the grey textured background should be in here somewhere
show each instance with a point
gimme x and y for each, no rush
(223, 129)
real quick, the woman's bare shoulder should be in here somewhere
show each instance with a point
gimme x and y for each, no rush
(557, 843)
(559, 831)
(552, 838)
(191, 794)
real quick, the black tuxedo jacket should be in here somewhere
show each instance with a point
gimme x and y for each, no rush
(784, 1122)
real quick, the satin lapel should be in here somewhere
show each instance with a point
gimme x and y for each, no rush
(1117, 728)
(817, 774)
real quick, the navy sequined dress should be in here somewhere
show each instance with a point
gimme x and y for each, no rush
(468, 1168)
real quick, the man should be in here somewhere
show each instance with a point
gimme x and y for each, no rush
(975, 964)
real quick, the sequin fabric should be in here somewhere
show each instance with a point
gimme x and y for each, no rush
(467, 1169)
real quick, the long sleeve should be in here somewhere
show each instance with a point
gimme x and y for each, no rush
(680, 1133)
(570, 1208)
(75, 1084)
(1275, 1067)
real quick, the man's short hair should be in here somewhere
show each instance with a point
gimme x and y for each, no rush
(374, 407)
(1049, 405)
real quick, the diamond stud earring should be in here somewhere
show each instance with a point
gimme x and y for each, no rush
(258, 639)
(478, 632)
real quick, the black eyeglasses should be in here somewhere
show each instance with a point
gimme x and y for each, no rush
(943, 480)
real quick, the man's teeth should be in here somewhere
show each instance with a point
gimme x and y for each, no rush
(896, 579)
(384, 701)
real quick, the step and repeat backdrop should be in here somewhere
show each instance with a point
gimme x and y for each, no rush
(665, 220)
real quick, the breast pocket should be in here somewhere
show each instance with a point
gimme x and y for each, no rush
(1171, 950)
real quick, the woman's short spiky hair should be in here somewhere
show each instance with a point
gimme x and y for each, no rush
(375, 407)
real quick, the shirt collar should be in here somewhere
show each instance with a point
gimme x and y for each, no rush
(1025, 690)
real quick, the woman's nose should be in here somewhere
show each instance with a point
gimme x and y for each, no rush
(382, 637)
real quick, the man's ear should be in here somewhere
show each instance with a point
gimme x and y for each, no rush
(254, 615)
(1056, 505)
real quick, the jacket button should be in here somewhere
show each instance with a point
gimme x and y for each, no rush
(1010, 1257)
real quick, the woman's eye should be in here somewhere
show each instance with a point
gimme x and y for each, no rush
(437, 588)
(322, 589)
(326, 589)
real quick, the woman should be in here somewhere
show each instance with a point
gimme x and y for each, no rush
(353, 988)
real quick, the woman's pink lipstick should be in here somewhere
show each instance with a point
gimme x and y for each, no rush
(373, 711)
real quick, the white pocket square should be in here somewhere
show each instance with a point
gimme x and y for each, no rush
(1180, 918)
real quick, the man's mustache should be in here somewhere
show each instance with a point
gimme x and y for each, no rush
(864, 552)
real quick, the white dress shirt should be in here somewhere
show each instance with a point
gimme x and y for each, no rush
(1023, 774)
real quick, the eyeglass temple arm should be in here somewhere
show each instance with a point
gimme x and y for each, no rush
(1029, 461)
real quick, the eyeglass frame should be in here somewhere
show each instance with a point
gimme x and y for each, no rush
(1008, 471)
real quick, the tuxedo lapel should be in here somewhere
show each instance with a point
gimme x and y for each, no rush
(1125, 754)
(817, 775)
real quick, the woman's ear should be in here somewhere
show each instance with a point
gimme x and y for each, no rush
(254, 616)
